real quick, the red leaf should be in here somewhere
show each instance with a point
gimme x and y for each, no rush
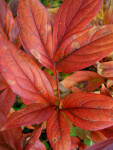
(58, 132)
(9, 138)
(2, 34)
(84, 49)
(72, 17)
(34, 143)
(106, 69)
(29, 115)
(23, 75)
(86, 81)
(7, 98)
(8, 24)
(51, 79)
(82, 146)
(108, 17)
(108, 132)
(88, 111)
(6, 17)
(105, 91)
(75, 142)
(27, 101)
(35, 30)
(3, 83)
(105, 145)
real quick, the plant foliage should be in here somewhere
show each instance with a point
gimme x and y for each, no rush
(61, 43)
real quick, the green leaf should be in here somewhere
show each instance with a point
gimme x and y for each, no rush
(73, 131)
(87, 142)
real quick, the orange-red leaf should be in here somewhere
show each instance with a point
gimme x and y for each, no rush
(86, 81)
(29, 115)
(97, 136)
(72, 17)
(88, 110)
(84, 48)
(23, 75)
(58, 132)
(35, 30)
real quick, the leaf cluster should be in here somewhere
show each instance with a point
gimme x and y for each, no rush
(47, 63)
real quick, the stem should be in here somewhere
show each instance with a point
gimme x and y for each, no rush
(56, 79)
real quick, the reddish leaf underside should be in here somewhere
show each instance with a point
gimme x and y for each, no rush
(72, 17)
(29, 115)
(105, 145)
(88, 111)
(84, 48)
(35, 30)
(106, 69)
(23, 75)
(58, 132)
(86, 81)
